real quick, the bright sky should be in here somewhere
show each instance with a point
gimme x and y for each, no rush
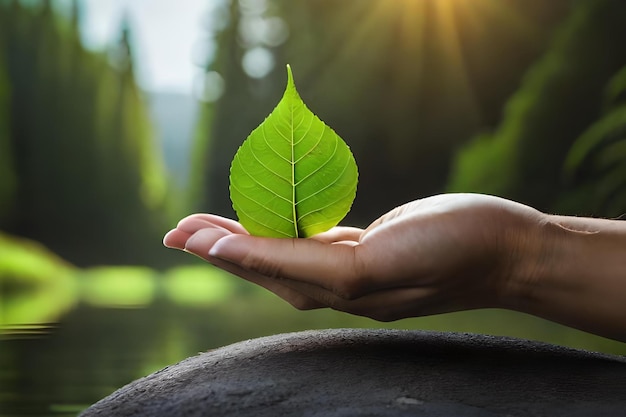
(166, 36)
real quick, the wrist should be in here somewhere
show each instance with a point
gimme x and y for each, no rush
(573, 271)
(527, 261)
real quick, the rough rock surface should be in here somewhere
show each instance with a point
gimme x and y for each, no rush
(352, 372)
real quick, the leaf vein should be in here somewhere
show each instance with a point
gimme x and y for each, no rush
(243, 167)
(321, 190)
(322, 165)
(312, 148)
(266, 208)
(269, 146)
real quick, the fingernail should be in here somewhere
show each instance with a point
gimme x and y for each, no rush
(168, 242)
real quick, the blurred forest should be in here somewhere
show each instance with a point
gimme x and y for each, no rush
(519, 98)
(80, 170)
(561, 145)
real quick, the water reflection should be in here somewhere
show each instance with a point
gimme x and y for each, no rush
(67, 342)
(54, 369)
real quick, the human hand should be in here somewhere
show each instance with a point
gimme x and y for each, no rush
(444, 253)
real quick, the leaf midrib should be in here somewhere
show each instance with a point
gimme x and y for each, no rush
(293, 172)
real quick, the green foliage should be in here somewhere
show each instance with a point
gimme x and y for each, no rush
(616, 89)
(89, 182)
(199, 285)
(595, 168)
(293, 176)
(561, 97)
(129, 286)
(28, 262)
(476, 164)
(36, 286)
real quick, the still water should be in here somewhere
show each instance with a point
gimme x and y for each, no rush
(65, 346)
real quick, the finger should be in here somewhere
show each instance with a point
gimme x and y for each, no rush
(339, 234)
(333, 267)
(176, 239)
(195, 222)
(200, 244)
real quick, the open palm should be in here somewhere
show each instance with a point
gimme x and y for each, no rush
(443, 253)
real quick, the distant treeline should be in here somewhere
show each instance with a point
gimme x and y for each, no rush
(78, 169)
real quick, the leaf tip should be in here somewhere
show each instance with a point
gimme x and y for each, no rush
(291, 85)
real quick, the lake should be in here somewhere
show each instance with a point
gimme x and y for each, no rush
(68, 341)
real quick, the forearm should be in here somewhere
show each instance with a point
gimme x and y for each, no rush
(579, 275)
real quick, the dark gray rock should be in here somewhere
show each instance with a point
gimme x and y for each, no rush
(353, 372)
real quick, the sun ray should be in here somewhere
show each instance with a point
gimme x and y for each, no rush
(450, 37)
(427, 55)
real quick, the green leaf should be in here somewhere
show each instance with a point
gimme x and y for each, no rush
(293, 176)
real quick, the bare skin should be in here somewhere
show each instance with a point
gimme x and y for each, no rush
(444, 253)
